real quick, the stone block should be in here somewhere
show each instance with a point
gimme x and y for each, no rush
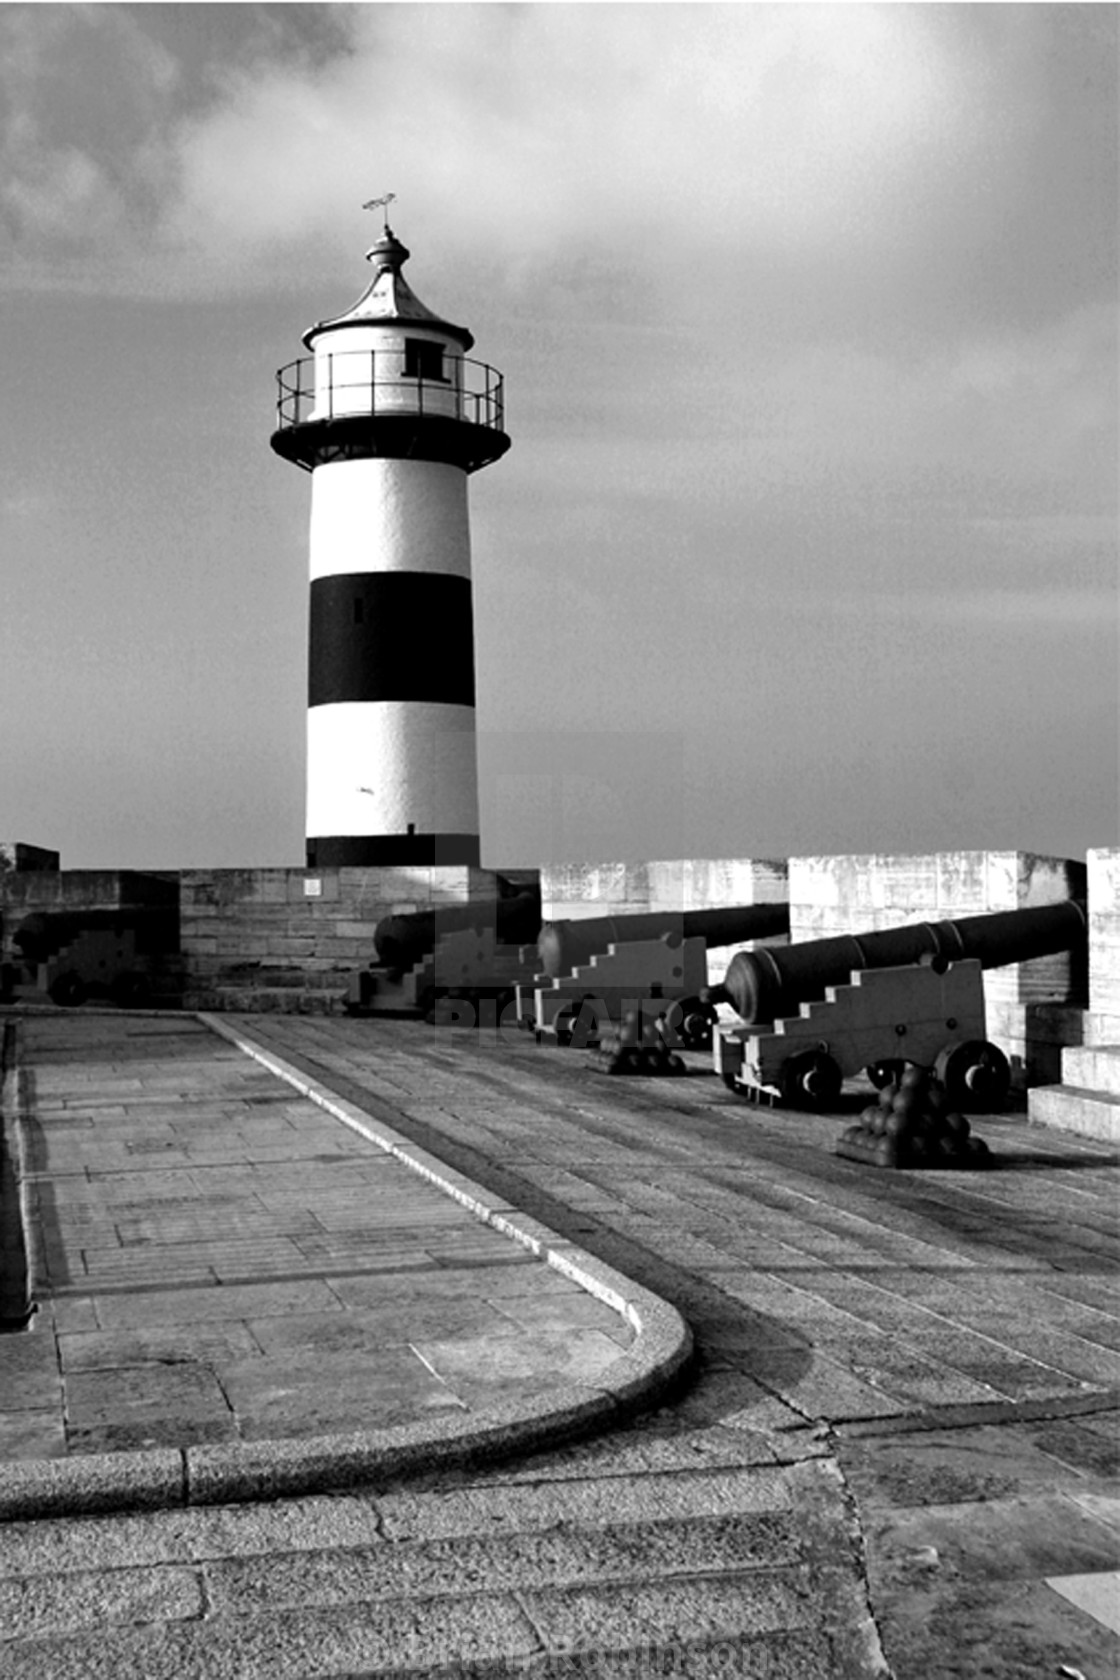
(963, 882)
(1106, 997)
(359, 886)
(1101, 1027)
(1104, 956)
(1103, 872)
(281, 949)
(1093, 1068)
(271, 887)
(362, 930)
(709, 883)
(194, 911)
(412, 884)
(596, 884)
(17, 855)
(198, 946)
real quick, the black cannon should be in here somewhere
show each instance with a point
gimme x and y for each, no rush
(403, 941)
(121, 953)
(611, 962)
(563, 946)
(771, 983)
(816, 1013)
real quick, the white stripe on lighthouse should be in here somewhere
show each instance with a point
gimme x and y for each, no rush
(377, 768)
(385, 515)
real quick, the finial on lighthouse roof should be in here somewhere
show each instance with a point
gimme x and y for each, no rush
(389, 297)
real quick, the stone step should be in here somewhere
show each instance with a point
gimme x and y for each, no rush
(1069, 1108)
(1092, 1067)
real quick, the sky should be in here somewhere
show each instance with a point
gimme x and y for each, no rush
(806, 541)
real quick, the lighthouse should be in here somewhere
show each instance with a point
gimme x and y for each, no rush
(390, 416)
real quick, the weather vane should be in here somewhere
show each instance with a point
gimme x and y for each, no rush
(381, 204)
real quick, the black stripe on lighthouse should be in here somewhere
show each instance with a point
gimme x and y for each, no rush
(391, 636)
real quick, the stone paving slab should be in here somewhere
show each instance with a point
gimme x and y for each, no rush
(965, 1527)
(189, 1304)
(903, 1290)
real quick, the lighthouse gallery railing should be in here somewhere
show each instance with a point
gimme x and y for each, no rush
(355, 382)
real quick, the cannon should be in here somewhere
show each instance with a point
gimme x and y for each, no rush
(470, 951)
(403, 941)
(815, 1013)
(563, 946)
(125, 954)
(595, 972)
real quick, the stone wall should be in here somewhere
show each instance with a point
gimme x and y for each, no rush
(290, 939)
(1033, 1008)
(71, 891)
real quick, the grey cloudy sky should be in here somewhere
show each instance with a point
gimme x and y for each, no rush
(807, 539)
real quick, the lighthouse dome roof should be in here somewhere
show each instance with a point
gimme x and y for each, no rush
(389, 297)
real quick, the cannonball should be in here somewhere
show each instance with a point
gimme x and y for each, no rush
(937, 1098)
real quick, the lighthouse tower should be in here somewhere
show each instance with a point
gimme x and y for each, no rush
(390, 415)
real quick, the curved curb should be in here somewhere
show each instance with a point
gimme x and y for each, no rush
(225, 1473)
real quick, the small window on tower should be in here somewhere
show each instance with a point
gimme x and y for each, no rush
(423, 359)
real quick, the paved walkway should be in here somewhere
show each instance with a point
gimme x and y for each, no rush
(221, 1261)
(897, 1453)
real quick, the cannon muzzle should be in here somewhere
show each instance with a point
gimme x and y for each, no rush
(563, 946)
(771, 983)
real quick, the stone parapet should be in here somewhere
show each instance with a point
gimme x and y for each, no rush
(26, 892)
(270, 939)
(575, 891)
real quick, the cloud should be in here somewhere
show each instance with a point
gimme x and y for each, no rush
(83, 91)
(539, 132)
(536, 138)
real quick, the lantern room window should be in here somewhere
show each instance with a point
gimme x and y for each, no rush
(423, 360)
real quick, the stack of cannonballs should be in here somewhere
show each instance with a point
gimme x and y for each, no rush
(637, 1047)
(912, 1125)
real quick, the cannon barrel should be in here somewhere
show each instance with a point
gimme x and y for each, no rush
(563, 946)
(41, 935)
(768, 984)
(403, 941)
